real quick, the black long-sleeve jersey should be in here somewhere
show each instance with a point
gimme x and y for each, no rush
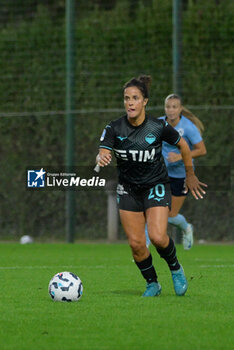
(138, 149)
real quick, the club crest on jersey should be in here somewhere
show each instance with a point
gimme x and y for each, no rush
(150, 138)
(181, 131)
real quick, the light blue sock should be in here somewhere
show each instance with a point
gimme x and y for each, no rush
(178, 221)
(147, 236)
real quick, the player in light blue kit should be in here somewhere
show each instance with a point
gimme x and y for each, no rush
(190, 128)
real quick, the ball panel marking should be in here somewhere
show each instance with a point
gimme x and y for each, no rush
(66, 287)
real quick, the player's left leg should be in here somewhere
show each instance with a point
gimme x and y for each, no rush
(134, 225)
(179, 193)
(156, 218)
(180, 221)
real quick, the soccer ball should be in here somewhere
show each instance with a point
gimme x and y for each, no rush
(65, 286)
(26, 239)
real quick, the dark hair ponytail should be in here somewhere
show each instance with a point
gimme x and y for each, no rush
(143, 83)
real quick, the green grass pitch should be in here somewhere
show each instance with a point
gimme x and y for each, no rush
(111, 313)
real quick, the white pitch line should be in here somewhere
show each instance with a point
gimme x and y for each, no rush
(50, 267)
(216, 266)
(63, 267)
(211, 259)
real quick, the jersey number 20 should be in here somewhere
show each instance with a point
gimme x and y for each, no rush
(158, 191)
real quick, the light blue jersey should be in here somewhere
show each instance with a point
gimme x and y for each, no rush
(192, 136)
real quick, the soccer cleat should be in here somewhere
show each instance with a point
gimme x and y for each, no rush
(152, 289)
(188, 237)
(179, 281)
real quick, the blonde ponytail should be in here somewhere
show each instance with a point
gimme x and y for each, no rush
(195, 120)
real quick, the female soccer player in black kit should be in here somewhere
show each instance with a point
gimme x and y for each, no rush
(143, 192)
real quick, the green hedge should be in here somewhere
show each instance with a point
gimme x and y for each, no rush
(111, 46)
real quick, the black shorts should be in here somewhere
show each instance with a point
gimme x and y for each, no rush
(139, 199)
(178, 188)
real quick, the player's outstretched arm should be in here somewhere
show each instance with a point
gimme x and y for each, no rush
(192, 182)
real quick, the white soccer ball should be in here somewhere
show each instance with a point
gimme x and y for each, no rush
(65, 286)
(26, 239)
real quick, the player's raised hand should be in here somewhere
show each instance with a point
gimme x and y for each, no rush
(103, 158)
(195, 186)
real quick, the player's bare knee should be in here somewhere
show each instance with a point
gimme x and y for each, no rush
(159, 241)
(138, 247)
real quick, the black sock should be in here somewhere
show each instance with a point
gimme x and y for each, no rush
(147, 269)
(169, 254)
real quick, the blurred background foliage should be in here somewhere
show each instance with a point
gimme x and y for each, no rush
(115, 40)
